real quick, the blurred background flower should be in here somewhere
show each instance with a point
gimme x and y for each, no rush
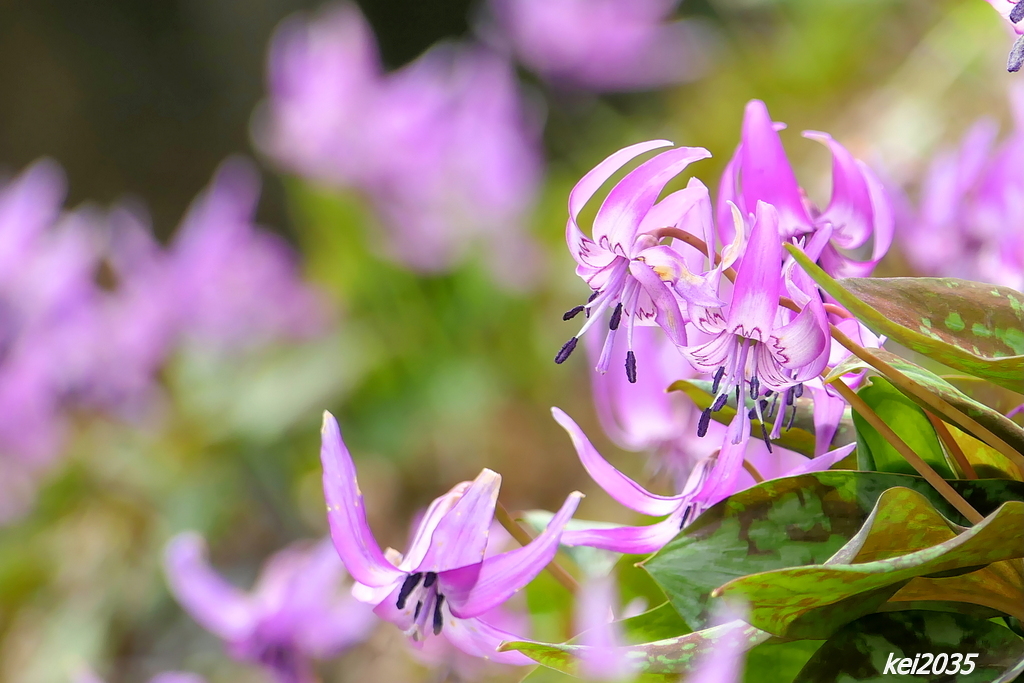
(395, 255)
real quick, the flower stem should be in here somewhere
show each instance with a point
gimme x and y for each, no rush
(523, 537)
(923, 468)
(936, 403)
(952, 446)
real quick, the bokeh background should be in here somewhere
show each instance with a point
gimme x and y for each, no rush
(432, 375)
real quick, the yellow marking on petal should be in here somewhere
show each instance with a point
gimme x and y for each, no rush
(663, 272)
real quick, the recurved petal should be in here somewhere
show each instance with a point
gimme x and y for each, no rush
(755, 298)
(629, 540)
(729, 195)
(346, 514)
(849, 210)
(828, 411)
(629, 201)
(615, 483)
(424, 533)
(822, 462)
(478, 638)
(765, 173)
(801, 342)
(219, 607)
(473, 590)
(597, 176)
(460, 538)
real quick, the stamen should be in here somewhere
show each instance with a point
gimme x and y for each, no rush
(764, 435)
(1017, 13)
(721, 371)
(798, 390)
(772, 405)
(631, 367)
(416, 614)
(590, 300)
(572, 312)
(566, 350)
(704, 422)
(720, 402)
(613, 324)
(792, 419)
(790, 396)
(430, 579)
(438, 617)
(755, 388)
(1016, 57)
(408, 586)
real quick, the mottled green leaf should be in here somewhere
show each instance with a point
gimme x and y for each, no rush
(994, 420)
(909, 422)
(799, 438)
(860, 650)
(789, 522)
(669, 656)
(971, 326)
(803, 602)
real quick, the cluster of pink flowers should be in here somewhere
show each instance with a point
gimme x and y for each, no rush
(97, 291)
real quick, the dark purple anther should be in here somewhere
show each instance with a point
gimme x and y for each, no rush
(704, 422)
(566, 350)
(572, 312)
(631, 367)
(408, 586)
(438, 617)
(717, 379)
(613, 324)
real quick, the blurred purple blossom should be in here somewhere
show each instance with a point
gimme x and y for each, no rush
(858, 211)
(91, 307)
(300, 609)
(971, 206)
(600, 636)
(445, 148)
(601, 45)
(446, 582)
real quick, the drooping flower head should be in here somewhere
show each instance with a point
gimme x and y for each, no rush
(624, 262)
(445, 581)
(602, 45)
(300, 609)
(857, 212)
(754, 349)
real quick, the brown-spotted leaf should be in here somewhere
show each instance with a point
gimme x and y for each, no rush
(789, 522)
(971, 326)
(802, 602)
(669, 656)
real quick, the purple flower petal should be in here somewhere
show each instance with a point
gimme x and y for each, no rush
(215, 604)
(473, 590)
(346, 513)
(667, 313)
(460, 538)
(849, 211)
(622, 211)
(755, 298)
(629, 540)
(765, 173)
(615, 483)
(478, 638)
